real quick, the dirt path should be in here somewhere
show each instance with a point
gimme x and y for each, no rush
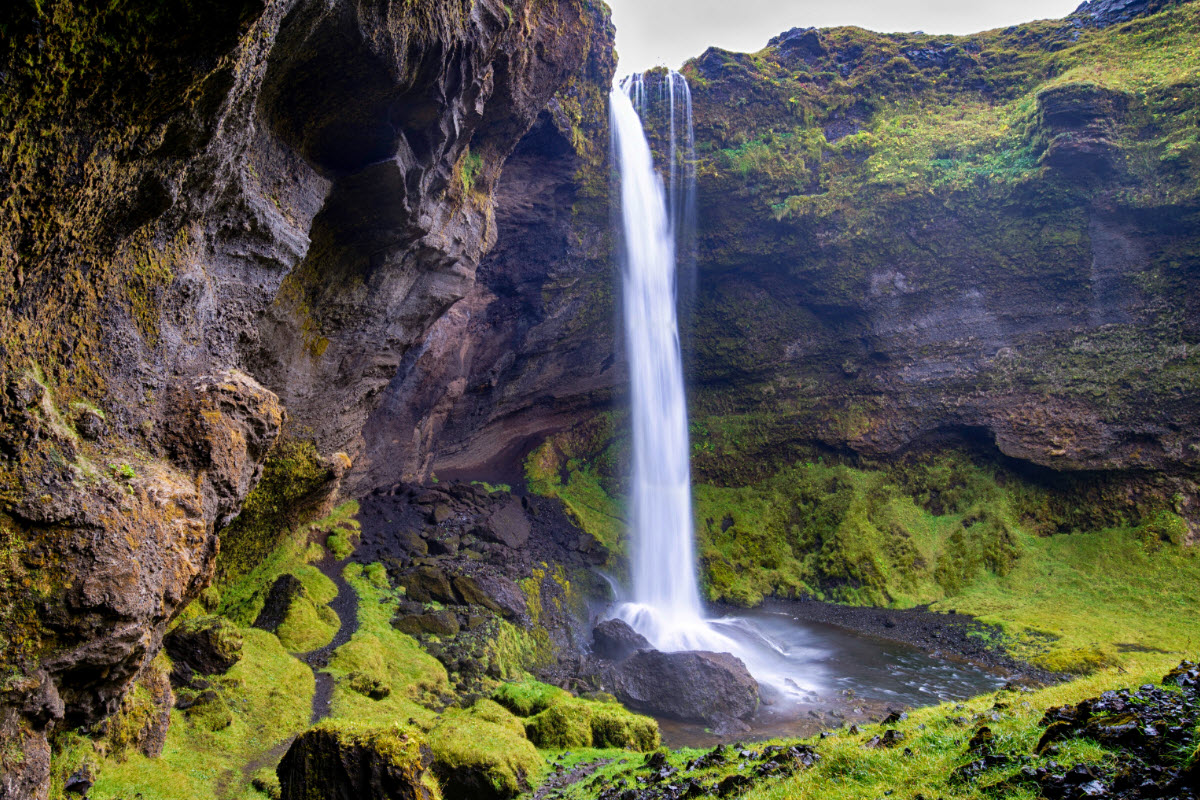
(345, 605)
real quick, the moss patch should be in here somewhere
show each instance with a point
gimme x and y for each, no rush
(266, 698)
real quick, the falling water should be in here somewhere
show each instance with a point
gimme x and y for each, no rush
(657, 223)
(666, 601)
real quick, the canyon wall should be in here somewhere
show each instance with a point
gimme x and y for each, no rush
(224, 224)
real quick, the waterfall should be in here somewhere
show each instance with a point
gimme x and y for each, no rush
(666, 600)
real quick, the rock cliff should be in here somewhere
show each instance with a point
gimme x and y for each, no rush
(223, 222)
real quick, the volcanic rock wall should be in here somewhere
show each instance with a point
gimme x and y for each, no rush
(222, 219)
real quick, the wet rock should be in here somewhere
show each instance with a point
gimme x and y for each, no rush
(80, 782)
(508, 526)
(440, 513)
(472, 594)
(982, 741)
(279, 600)
(614, 640)
(504, 593)
(695, 686)
(330, 761)
(890, 738)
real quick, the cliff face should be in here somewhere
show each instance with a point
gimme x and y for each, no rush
(909, 235)
(216, 217)
(902, 238)
(530, 350)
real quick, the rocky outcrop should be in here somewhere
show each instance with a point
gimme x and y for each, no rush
(332, 762)
(692, 686)
(473, 563)
(224, 210)
(530, 349)
(615, 640)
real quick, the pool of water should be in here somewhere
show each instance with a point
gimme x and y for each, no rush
(815, 677)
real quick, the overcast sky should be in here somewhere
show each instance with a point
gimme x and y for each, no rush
(653, 32)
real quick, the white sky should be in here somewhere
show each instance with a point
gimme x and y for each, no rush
(669, 32)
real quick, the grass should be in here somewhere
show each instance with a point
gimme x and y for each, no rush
(959, 536)
(269, 695)
(583, 493)
(487, 740)
(242, 598)
(379, 653)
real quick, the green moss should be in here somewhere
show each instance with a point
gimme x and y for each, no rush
(945, 530)
(934, 746)
(465, 742)
(578, 468)
(377, 654)
(267, 696)
(308, 625)
(564, 725)
(293, 483)
(528, 697)
(557, 720)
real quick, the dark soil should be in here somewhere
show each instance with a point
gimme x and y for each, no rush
(955, 637)
(345, 605)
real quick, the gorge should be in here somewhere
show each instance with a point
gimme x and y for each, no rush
(315, 436)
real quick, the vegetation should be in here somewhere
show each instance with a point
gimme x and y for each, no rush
(935, 744)
(267, 696)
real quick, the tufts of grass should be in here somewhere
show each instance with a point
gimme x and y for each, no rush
(379, 655)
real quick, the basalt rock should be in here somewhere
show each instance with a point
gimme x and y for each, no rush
(231, 208)
(694, 686)
(614, 640)
(206, 645)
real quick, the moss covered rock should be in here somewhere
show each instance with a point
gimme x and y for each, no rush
(482, 753)
(340, 759)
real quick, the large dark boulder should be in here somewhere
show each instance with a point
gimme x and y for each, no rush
(614, 640)
(205, 645)
(340, 763)
(279, 600)
(508, 526)
(693, 686)
(428, 584)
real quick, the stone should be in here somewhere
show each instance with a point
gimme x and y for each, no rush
(471, 594)
(508, 526)
(505, 594)
(690, 686)
(428, 584)
(334, 762)
(614, 640)
(279, 599)
(207, 645)
(436, 623)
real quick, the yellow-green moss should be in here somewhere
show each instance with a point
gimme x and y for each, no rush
(464, 740)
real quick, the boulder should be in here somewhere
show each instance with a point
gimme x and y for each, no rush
(427, 584)
(279, 600)
(438, 623)
(338, 761)
(692, 686)
(504, 593)
(205, 645)
(509, 526)
(470, 593)
(614, 640)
